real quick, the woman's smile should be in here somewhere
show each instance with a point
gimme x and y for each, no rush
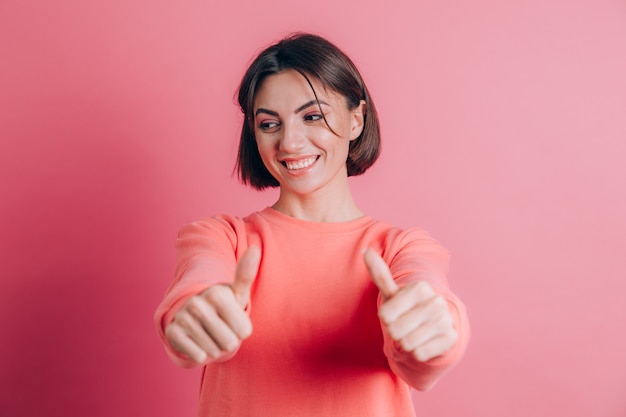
(299, 164)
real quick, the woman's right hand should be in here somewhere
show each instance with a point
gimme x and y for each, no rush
(215, 322)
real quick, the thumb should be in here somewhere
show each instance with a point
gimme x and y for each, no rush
(380, 273)
(245, 274)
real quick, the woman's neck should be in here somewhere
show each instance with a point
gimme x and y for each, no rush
(319, 208)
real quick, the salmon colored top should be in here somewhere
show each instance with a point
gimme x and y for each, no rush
(317, 347)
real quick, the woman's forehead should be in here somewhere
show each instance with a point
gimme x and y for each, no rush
(292, 85)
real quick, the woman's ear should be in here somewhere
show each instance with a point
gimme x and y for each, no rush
(357, 117)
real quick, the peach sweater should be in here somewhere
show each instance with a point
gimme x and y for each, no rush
(317, 348)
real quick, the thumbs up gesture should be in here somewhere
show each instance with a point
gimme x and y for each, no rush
(214, 322)
(414, 316)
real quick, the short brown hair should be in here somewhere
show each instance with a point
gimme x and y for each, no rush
(313, 56)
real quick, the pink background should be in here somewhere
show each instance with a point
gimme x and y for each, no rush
(504, 135)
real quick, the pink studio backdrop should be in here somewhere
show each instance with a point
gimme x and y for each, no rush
(504, 135)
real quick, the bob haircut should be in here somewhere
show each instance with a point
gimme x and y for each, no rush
(311, 56)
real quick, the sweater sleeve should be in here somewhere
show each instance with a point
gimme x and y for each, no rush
(414, 256)
(206, 254)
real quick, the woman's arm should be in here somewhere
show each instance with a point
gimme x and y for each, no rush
(206, 261)
(424, 324)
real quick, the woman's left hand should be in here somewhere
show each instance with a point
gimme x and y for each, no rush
(414, 316)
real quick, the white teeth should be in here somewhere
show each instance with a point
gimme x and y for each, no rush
(303, 163)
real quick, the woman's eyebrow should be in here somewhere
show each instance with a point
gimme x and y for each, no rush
(309, 104)
(298, 110)
(266, 111)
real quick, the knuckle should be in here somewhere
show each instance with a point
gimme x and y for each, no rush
(453, 337)
(211, 294)
(172, 331)
(421, 354)
(424, 288)
(440, 302)
(244, 330)
(211, 350)
(179, 315)
(215, 295)
(414, 288)
(195, 306)
(391, 331)
(384, 318)
(232, 345)
(184, 320)
(405, 345)
(214, 353)
(446, 320)
(200, 357)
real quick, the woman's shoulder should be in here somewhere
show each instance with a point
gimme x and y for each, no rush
(224, 220)
(224, 233)
(215, 222)
(393, 240)
(399, 233)
(230, 225)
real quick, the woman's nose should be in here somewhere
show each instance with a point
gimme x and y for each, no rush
(292, 138)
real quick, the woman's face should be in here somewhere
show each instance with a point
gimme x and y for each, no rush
(295, 144)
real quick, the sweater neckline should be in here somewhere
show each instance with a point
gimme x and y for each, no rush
(277, 217)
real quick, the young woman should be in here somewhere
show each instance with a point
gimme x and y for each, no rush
(309, 307)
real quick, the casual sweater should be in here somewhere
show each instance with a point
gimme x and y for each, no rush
(317, 347)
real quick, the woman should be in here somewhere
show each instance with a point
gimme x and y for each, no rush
(309, 307)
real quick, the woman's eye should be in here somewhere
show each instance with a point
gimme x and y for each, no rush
(313, 117)
(268, 125)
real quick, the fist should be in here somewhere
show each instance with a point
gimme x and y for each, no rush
(215, 322)
(414, 316)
